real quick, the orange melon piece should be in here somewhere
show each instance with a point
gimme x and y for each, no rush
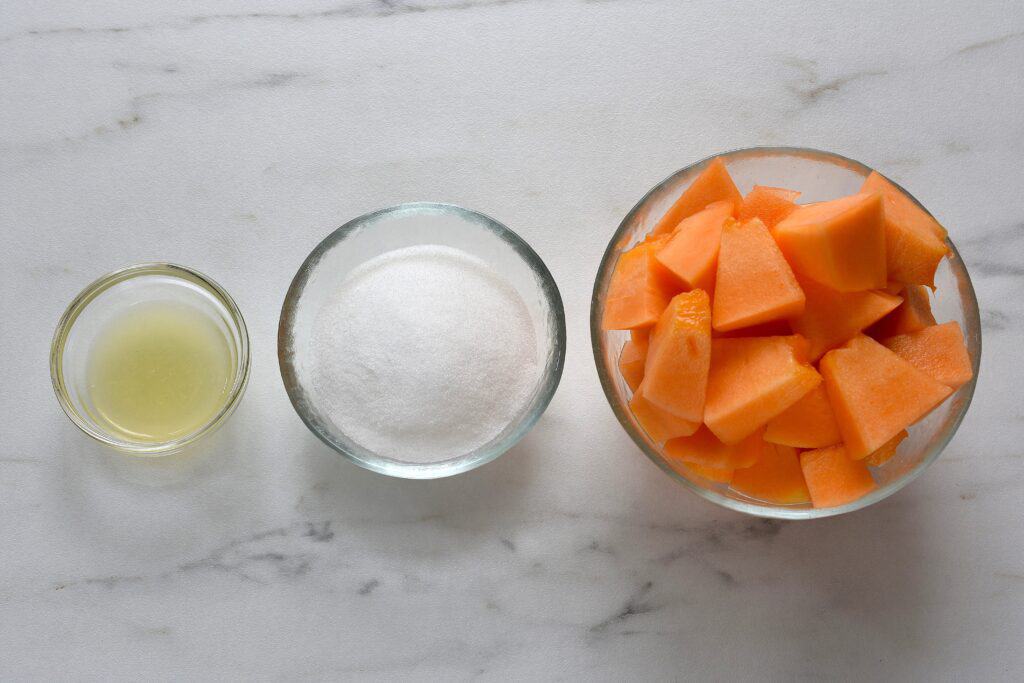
(830, 318)
(808, 423)
(775, 328)
(833, 478)
(752, 380)
(639, 291)
(915, 313)
(885, 453)
(900, 205)
(770, 204)
(839, 243)
(691, 254)
(915, 242)
(631, 364)
(703, 448)
(775, 478)
(679, 355)
(753, 283)
(658, 424)
(875, 394)
(712, 185)
(633, 356)
(938, 350)
(721, 476)
(641, 336)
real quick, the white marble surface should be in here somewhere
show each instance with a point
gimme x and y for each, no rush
(233, 135)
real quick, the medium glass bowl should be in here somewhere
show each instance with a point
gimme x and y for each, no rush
(100, 302)
(406, 225)
(818, 176)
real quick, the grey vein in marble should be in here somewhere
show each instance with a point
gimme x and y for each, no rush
(636, 604)
(812, 88)
(990, 42)
(354, 10)
(243, 558)
(368, 587)
(272, 80)
(145, 68)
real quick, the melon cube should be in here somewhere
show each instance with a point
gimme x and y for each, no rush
(839, 243)
(833, 478)
(875, 394)
(752, 380)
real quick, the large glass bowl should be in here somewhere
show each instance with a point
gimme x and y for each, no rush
(819, 176)
(406, 225)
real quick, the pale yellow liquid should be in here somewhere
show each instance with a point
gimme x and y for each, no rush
(159, 371)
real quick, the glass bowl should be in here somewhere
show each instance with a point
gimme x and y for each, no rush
(407, 225)
(819, 176)
(88, 315)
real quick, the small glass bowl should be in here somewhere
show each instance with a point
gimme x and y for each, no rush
(100, 302)
(818, 176)
(406, 225)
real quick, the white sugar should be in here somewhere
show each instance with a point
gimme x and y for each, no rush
(424, 353)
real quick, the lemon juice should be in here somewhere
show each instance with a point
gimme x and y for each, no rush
(159, 371)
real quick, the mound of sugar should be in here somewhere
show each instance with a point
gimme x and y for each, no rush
(423, 354)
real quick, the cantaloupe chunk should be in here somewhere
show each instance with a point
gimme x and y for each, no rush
(874, 393)
(753, 283)
(938, 350)
(631, 364)
(901, 206)
(640, 289)
(915, 313)
(775, 478)
(808, 423)
(703, 448)
(752, 380)
(915, 242)
(885, 453)
(770, 204)
(830, 318)
(833, 478)
(775, 328)
(692, 251)
(712, 185)
(658, 424)
(641, 336)
(721, 476)
(839, 243)
(679, 355)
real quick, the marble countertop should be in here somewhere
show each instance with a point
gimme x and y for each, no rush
(232, 135)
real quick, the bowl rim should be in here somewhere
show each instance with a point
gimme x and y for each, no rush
(101, 284)
(550, 379)
(972, 319)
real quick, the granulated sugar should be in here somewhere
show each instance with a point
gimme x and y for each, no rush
(424, 353)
